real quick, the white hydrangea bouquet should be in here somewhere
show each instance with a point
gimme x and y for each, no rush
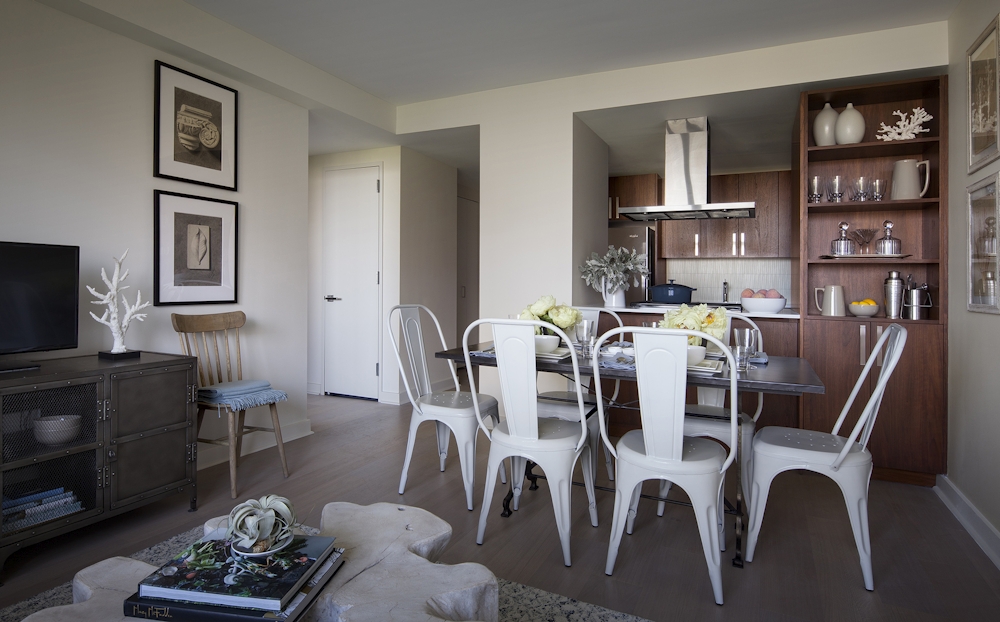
(699, 317)
(546, 310)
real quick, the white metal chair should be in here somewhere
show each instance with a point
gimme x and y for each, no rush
(560, 404)
(661, 450)
(555, 445)
(449, 410)
(846, 461)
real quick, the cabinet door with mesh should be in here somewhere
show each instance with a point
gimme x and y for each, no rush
(152, 437)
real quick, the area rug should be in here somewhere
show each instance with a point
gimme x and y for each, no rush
(518, 603)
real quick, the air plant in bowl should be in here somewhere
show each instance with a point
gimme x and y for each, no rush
(258, 527)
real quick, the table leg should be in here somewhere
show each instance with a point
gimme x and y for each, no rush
(738, 557)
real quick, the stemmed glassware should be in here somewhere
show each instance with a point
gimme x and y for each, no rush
(864, 238)
(861, 190)
(879, 188)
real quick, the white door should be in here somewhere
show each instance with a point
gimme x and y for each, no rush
(351, 281)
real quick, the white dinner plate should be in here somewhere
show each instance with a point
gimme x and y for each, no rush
(713, 351)
(706, 368)
(556, 355)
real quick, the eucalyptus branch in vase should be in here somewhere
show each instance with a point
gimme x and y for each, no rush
(614, 271)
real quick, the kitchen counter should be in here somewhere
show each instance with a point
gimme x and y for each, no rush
(784, 314)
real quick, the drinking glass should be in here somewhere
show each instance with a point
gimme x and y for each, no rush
(815, 189)
(835, 188)
(879, 187)
(586, 333)
(862, 189)
(746, 343)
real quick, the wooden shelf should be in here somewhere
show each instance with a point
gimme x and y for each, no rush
(827, 207)
(877, 149)
(875, 260)
(880, 317)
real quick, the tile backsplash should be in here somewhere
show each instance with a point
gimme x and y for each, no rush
(707, 275)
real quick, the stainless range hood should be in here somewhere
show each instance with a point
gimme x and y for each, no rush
(685, 179)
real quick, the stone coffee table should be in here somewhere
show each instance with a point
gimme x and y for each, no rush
(388, 574)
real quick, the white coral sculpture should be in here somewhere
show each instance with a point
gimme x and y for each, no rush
(110, 317)
(906, 128)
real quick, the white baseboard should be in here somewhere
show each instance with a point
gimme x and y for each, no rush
(211, 455)
(391, 397)
(982, 531)
(314, 388)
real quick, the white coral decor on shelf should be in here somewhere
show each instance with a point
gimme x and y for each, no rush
(110, 318)
(907, 127)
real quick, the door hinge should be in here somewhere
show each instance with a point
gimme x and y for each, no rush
(378, 185)
(103, 477)
(192, 393)
(376, 369)
(192, 452)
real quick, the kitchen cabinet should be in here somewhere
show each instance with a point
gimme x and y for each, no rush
(909, 438)
(766, 235)
(633, 191)
(910, 435)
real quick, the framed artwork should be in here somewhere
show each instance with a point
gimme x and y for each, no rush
(982, 243)
(194, 249)
(194, 138)
(984, 98)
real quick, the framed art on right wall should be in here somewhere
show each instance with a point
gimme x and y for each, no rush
(984, 98)
(983, 211)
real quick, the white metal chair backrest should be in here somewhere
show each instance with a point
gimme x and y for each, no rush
(416, 355)
(661, 373)
(717, 397)
(893, 340)
(514, 344)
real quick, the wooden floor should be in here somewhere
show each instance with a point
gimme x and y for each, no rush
(926, 566)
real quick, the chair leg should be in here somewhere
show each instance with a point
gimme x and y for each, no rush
(558, 470)
(626, 484)
(491, 481)
(856, 496)
(661, 506)
(414, 424)
(465, 440)
(721, 506)
(277, 437)
(747, 429)
(763, 474)
(241, 417)
(704, 499)
(495, 415)
(517, 467)
(633, 508)
(588, 481)
(443, 436)
(232, 451)
(593, 440)
(607, 462)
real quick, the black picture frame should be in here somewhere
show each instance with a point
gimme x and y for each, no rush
(195, 249)
(195, 129)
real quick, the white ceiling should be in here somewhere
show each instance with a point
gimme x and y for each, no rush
(405, 51)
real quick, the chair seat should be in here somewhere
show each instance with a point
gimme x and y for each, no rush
(563, 410)
(553, 435)
(807, 447)
(700, 455)
(454, 403)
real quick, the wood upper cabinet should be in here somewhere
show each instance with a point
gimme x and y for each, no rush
(766, 235)
(634, 191)
(910, 434)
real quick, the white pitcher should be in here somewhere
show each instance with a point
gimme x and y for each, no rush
(833, 300)
(906, 179)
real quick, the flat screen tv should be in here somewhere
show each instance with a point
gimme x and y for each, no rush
(39, 297)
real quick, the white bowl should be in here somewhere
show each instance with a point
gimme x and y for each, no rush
(546, 343)
(59, 422)
(763, 305)
(863, 310)
(696, 354)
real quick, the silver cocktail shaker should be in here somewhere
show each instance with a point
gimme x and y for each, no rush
(894, 288)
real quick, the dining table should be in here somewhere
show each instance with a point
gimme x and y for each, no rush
(780, 375)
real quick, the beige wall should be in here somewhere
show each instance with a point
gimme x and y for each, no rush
(76, 147)
(973, 338)
(590, 207)
(468, 266)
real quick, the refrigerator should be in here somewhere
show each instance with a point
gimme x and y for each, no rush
(642, 238)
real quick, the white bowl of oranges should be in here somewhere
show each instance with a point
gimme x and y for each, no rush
(864, 308)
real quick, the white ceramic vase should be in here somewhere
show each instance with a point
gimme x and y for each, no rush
(824, 126)
(850, 126)
(613, 299)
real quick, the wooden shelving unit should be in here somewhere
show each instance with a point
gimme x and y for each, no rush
(909, 440)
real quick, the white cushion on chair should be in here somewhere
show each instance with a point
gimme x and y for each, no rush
(807, 446)
(700, 454)
(450, 402)
(556, 434)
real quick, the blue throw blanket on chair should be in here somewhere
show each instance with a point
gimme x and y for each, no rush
(241, 394)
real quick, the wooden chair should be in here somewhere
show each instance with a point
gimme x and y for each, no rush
(200, 336)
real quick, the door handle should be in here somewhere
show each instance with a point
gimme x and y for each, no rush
(734, 245)
(878, 335)
(696, 245)
(864, 356)
(743, 244)
(331, 298)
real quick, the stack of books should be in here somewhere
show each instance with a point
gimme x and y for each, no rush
(208, 583)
